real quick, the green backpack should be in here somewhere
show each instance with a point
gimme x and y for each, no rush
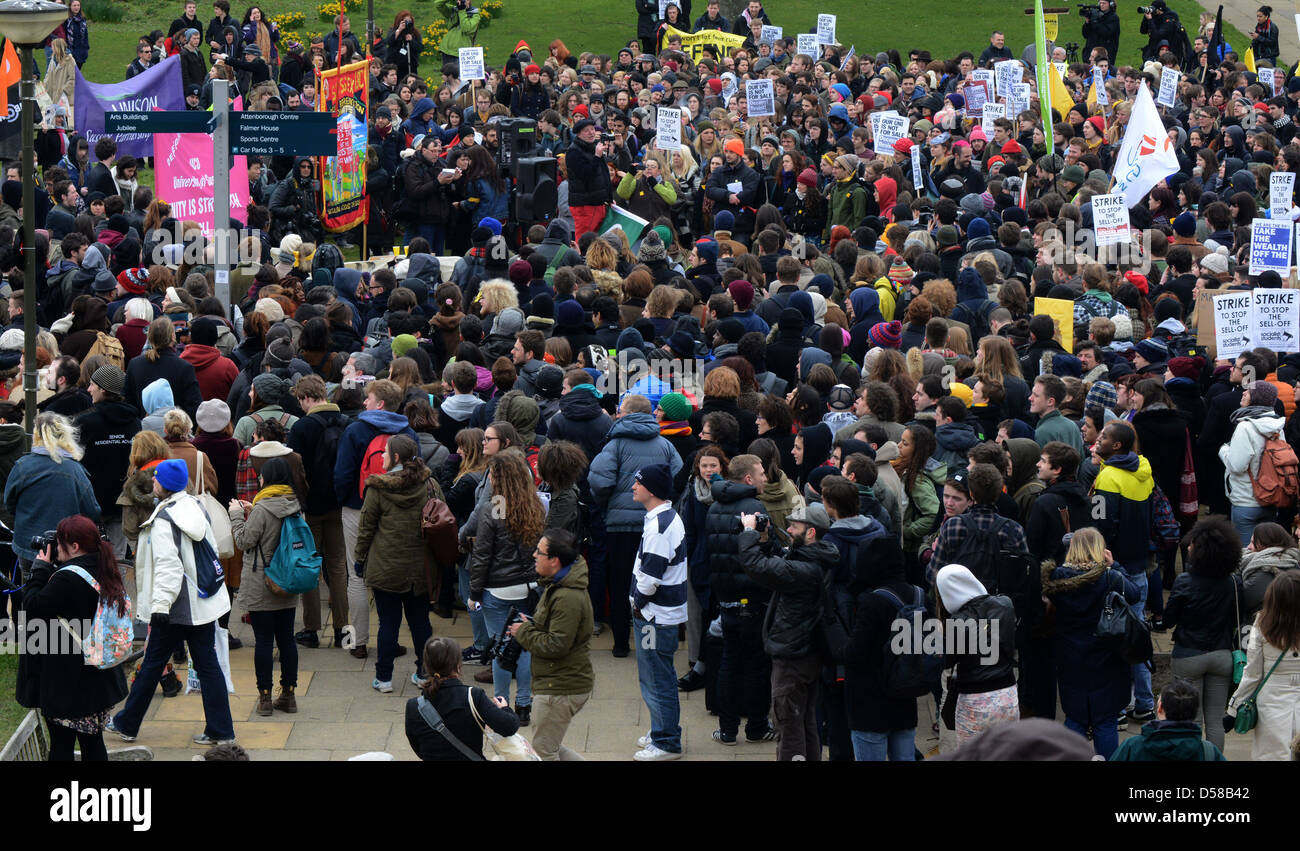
(295, 566)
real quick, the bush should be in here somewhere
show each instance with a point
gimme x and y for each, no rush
(103, 11)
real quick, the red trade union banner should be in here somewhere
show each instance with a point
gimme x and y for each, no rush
(343, 93)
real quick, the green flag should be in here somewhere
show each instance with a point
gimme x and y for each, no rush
(1040, 76)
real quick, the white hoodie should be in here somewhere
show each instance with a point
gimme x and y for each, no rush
(163, 572)
(957, 586)
(1243, 451)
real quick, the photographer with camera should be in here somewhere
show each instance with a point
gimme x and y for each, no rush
(558, 636)
(1100, 28)
(1163, 30)
(293, 204)
(462, 27)
(590, 189)
(404, 45)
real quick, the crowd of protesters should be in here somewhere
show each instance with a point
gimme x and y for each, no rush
(808, 394)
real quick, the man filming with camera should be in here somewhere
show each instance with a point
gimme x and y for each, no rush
(293, 204)
(1100, 28)
(1163, 30)
(558, 635)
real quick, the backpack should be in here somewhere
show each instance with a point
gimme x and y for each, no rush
(321, 475)
(914, 673)
(110, 347)
(440, 530)
(372, 462)
(258, 419)
(1001, 572)
(977, 319)
(109, 641)
(1184, 346)
(839, 605)
(549, 275)
(207, 564)
(295, 566)
(1278, 482)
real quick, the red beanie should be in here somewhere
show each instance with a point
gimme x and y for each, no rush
(532, 69)
(581, 109)
(715, 85)
(808, 178)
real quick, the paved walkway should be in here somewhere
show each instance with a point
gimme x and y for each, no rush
(340, 715)
(1241, 14)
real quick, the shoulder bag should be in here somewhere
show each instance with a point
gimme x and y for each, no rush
(1248, 711)
(1238, 654)
(504, 748)
(434, 720)
(217, 516)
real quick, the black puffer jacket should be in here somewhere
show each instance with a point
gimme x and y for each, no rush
(1044, 527)
(1202, 611)
(427, 198)
(589, 183)
(581, 420)
(795, 580)
(730, 582)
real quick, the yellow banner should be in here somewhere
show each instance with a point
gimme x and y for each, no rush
(1051, 24)
(1062, 312)
(693, 43)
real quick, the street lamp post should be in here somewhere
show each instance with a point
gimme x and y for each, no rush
(27, 23)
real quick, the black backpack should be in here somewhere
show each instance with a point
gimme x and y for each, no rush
(1001, 571)
(1185, 346)
(977, 318)
(908, 671)
(321, 475)
(839, 605)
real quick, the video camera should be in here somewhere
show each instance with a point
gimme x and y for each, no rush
(1088, 10)
(505, 649)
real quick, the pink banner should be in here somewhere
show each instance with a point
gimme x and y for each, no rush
(183, 169)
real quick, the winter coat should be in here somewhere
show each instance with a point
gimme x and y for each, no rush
(589, 183)
(352, 450)
(137, 503)
(165, 576)
(1162, 434)
(795, 580)
(1054, 426)
(59, 682)
(870, 709)
(974, 674)
(953, 441)
(1094, 681)
(189, 453)
(13, 445)
(39, 493)
(1203, 612)
(751, 184)
(730, 582)
(141, 372)
(215, 373)
(452, 704)
(389, 542)
(1241, 454)
(462, 27)
(499, 559)
(1125, 485)
(559, 634)
(427, 198)
(633, 442)
(1167, 741)
(258, 536)
(1257, 572)
(780, 497)
(564, 512)
(1278, 702)
(922, 504)
(1044, 528)
(106, 430)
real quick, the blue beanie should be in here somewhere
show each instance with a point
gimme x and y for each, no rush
(491, 224)
(172, 474)
(978, 228)
(707, 249)
(724, 220)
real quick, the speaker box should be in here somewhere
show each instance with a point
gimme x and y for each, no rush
(536, 189)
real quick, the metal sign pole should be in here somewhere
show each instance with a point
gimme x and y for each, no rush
(221, 190)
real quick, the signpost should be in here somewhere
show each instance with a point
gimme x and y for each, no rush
(195, 121)
(273, 134)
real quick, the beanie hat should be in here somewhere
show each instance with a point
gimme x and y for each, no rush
(1123, 326)
(568, 313)
(402, 344)
(133, 280)
(742, 293)
(1185, 224)
(731, 329)
(1067, 366)
(520, 273)
(681, 343)
(1074, 173)
(1102, 394)
(962, 391)
(947, 236)
(581, 109)
(652, 248)
(657, 479)
(172, 474)
(491, 224)
(1263, 393)
(888, 335)
(724, 220)
(676, 407)
(213, 415)
(808, 178)
(899, 272)
(1215, 263)
(532, 69)
(1185, 367)
(203, 332)
(550, 381)
(1153, 350)
(707, 250)
(110, 378)
(479, 236)
(977, 134)
(269, 388)
(735, 146)
(715, 86)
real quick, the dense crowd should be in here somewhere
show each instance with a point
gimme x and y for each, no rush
(810, 397)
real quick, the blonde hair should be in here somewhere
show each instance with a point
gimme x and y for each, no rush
(496, 295)
(1087, 546)
(58, 435)
(177, 425)
(147, 446)
(161, 335)
(688, 162)
(139, 308)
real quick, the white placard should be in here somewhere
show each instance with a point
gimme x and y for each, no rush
(1061, 69)
(770, 34)
(1231, 324)
(761, 97)
(888, 129)
(977, 94)
(663, 8)
(1168, 87)
(987, 75)
(806, 44)
(1281, 185)
(1019, 100)
(471, 63)
(1110, 222)
(853, 49)
(735, 187)
(825, 29)
(918, 182)
(668, 129)
(1270, 246)
(1009, 72)
(1099, 86)
(1275, 319)
(992, 112)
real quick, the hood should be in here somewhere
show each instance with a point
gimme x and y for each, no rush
(422, 106)
(810, 357)
(387, 422)
(1024, 461)
(866, 306)
(522, 412)
(955, 437)
(886, 452)
(970, 286)
(573, 576)
(791, 323)
(11, 437)
(138, 490)
(200, 356)
(94, 260)
(281, 506)
(509, 322)
(559, 231)
(580, 406)
(1269, 560)
(158, 395)
(425, 267)
(345, 283)
(459, 407)
(727, 491)
(635, 426)
(779, 491)
(823, 553)
(1172, 740)
(94, 315)
(1258, 418)
(405, 487)
(857, 528)
(630, 338)
(957, 586)
(330, 259)
(186, 514)
(1071, 491)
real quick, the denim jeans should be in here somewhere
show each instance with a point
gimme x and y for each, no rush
(389, 607)
(1105, 738)
(1245, 519)
(494, 618)
(744, 674)
(655, 646)
(1143, 699)
(434, 233)
(896, 745)
(163, 640)
(272, 630)
(481, 638)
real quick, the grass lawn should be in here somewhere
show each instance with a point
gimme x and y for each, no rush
(939, 25)
(10, 712)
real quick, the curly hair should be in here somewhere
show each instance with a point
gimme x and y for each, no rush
(561, 463)
(941, 295)
(496, 295)
(1214, 547)
(513, 482)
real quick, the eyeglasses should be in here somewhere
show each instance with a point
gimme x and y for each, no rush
(490, 439)
(541, 552)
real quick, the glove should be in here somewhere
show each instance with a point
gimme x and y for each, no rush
(160, 619)
(359, 569)
(1229, 721)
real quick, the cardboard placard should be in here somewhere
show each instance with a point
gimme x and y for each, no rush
(992, 112)
(1099, 87)
(976, 93)
(1110, 221)
(1009, 72)
(1062, 312)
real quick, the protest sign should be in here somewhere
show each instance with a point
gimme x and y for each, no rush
(1275, 319)
(917, 180)
(889, 128)
(668, 129)
(1009, 72)
(1232, 329)
(1062, 312)
(1281, 185)
(806, 44)
(693, 44)
(992, 112)
(183, 170)
(826, 29)
(1099, 87)
(157, 88)
(1270, 246)
(976, 93)
(761, 97)
(1018, 102)
(853, 49)
(1168, 87)
(471, 63)
(770, 34)
(986, 75)
(1110, 219)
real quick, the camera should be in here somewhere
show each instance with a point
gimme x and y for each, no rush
(760, 525)
(39, 542)
(1146, 10)
(1088, 11)
(607, 138)
(504, 649)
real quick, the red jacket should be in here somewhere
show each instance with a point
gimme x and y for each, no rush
(131, 334)
(215, 372)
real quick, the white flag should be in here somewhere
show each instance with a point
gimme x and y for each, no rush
(1146, 156)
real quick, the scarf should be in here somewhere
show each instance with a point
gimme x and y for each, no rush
(703, 490)
(272, 491)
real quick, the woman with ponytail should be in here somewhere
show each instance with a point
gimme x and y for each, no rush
(442, 691)
(75, 698)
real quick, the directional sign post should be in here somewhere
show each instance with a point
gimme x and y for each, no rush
(196, 121)
(274, 134)
(221, 157)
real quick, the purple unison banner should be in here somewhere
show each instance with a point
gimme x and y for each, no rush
(157, 88)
